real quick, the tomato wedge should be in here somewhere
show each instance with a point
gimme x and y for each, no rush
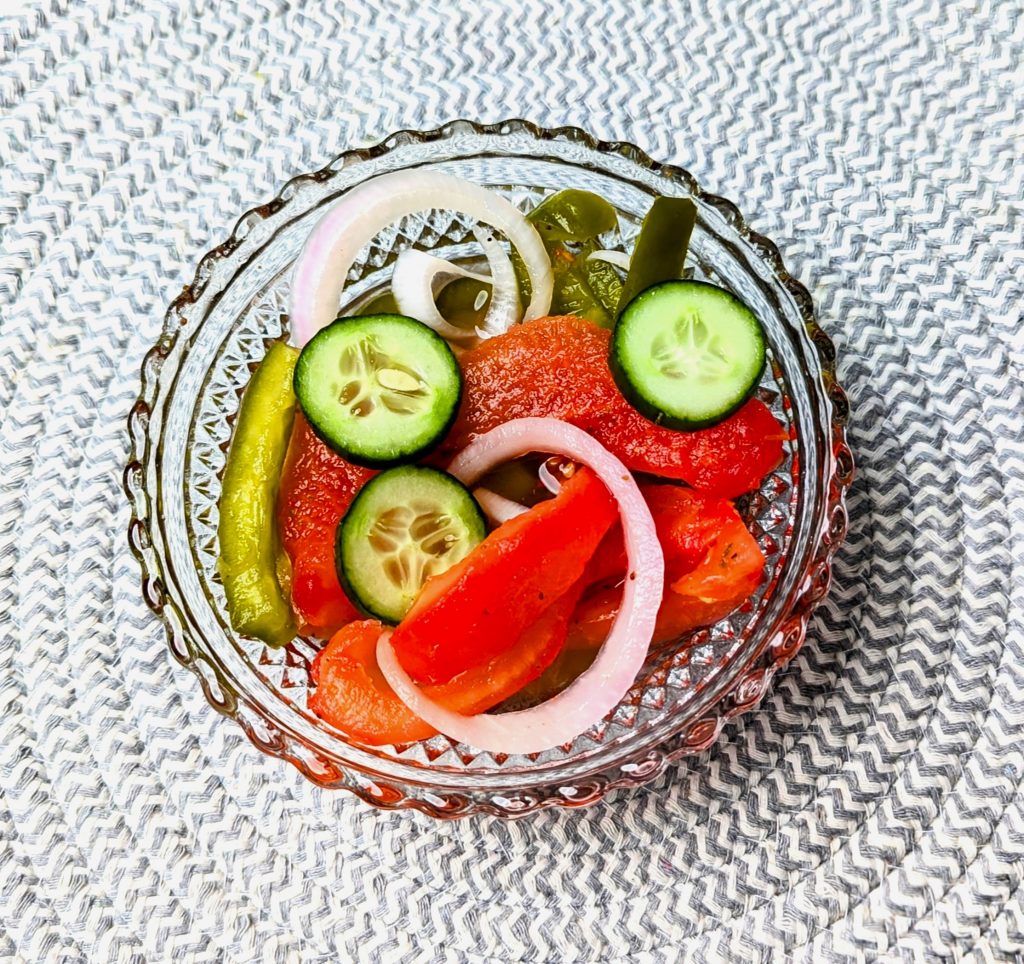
(686, 521)
(558, 367)
(712, 565)
(353, 696)
(317, 487)
(726, 460)
(477, 609)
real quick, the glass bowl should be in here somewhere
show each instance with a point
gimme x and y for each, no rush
(218, 329)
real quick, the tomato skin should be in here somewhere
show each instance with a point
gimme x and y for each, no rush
(549, 367)
(730, 570)
(351, 692)
(726, 460)
(558, 367)
(712, 565)
(353, 696)
(317, 486)
(686, 522)
(481, 606)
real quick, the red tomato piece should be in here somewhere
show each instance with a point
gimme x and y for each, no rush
(481, 606)
(554, 367)
(726, 460)
(686, 522)
(558, 367)
(317, 486)
(712, 565)
(353, 696)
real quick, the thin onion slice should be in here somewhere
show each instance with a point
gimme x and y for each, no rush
(496, 507)
(503, 311)
(548, 478)
(618, 258)
(368, 208)
(600, 688)
(417, 279)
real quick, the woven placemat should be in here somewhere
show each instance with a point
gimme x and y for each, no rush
(872, 809)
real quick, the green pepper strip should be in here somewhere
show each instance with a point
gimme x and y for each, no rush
(603, 280)
(585, 288)
(572, 216)
(573, 294)
(457, 301)
(249, 547)
(384, 304)
(660, 248)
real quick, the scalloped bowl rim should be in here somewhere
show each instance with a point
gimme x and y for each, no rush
(792, 625)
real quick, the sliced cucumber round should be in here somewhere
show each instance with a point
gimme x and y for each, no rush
(405, 525)
(379, 389)
(687, 354)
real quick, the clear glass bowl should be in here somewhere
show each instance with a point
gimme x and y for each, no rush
(218, 329)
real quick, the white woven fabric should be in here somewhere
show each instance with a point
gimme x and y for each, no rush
(872, 809)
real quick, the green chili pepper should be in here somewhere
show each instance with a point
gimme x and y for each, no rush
(522, 276)
(660, 248)
(581, 287)
(249, 548)
(603, 279)
(384, 304)
(572, 294)
(572, 216)
(464, 302)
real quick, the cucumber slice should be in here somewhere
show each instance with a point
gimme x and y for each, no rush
(378, 389)
(687, 354)
(405, 525)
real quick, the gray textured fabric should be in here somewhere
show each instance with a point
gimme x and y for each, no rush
(872, 809)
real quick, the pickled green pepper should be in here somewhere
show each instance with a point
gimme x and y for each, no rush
(582, 287)
(660, 248)
(464, 302)
(602, 278)
(572, 215)
(384, 304)
(572, 293)
(249, 548)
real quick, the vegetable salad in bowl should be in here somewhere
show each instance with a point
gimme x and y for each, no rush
(482, 505)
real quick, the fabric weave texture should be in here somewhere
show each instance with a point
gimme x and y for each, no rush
(871, 809)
